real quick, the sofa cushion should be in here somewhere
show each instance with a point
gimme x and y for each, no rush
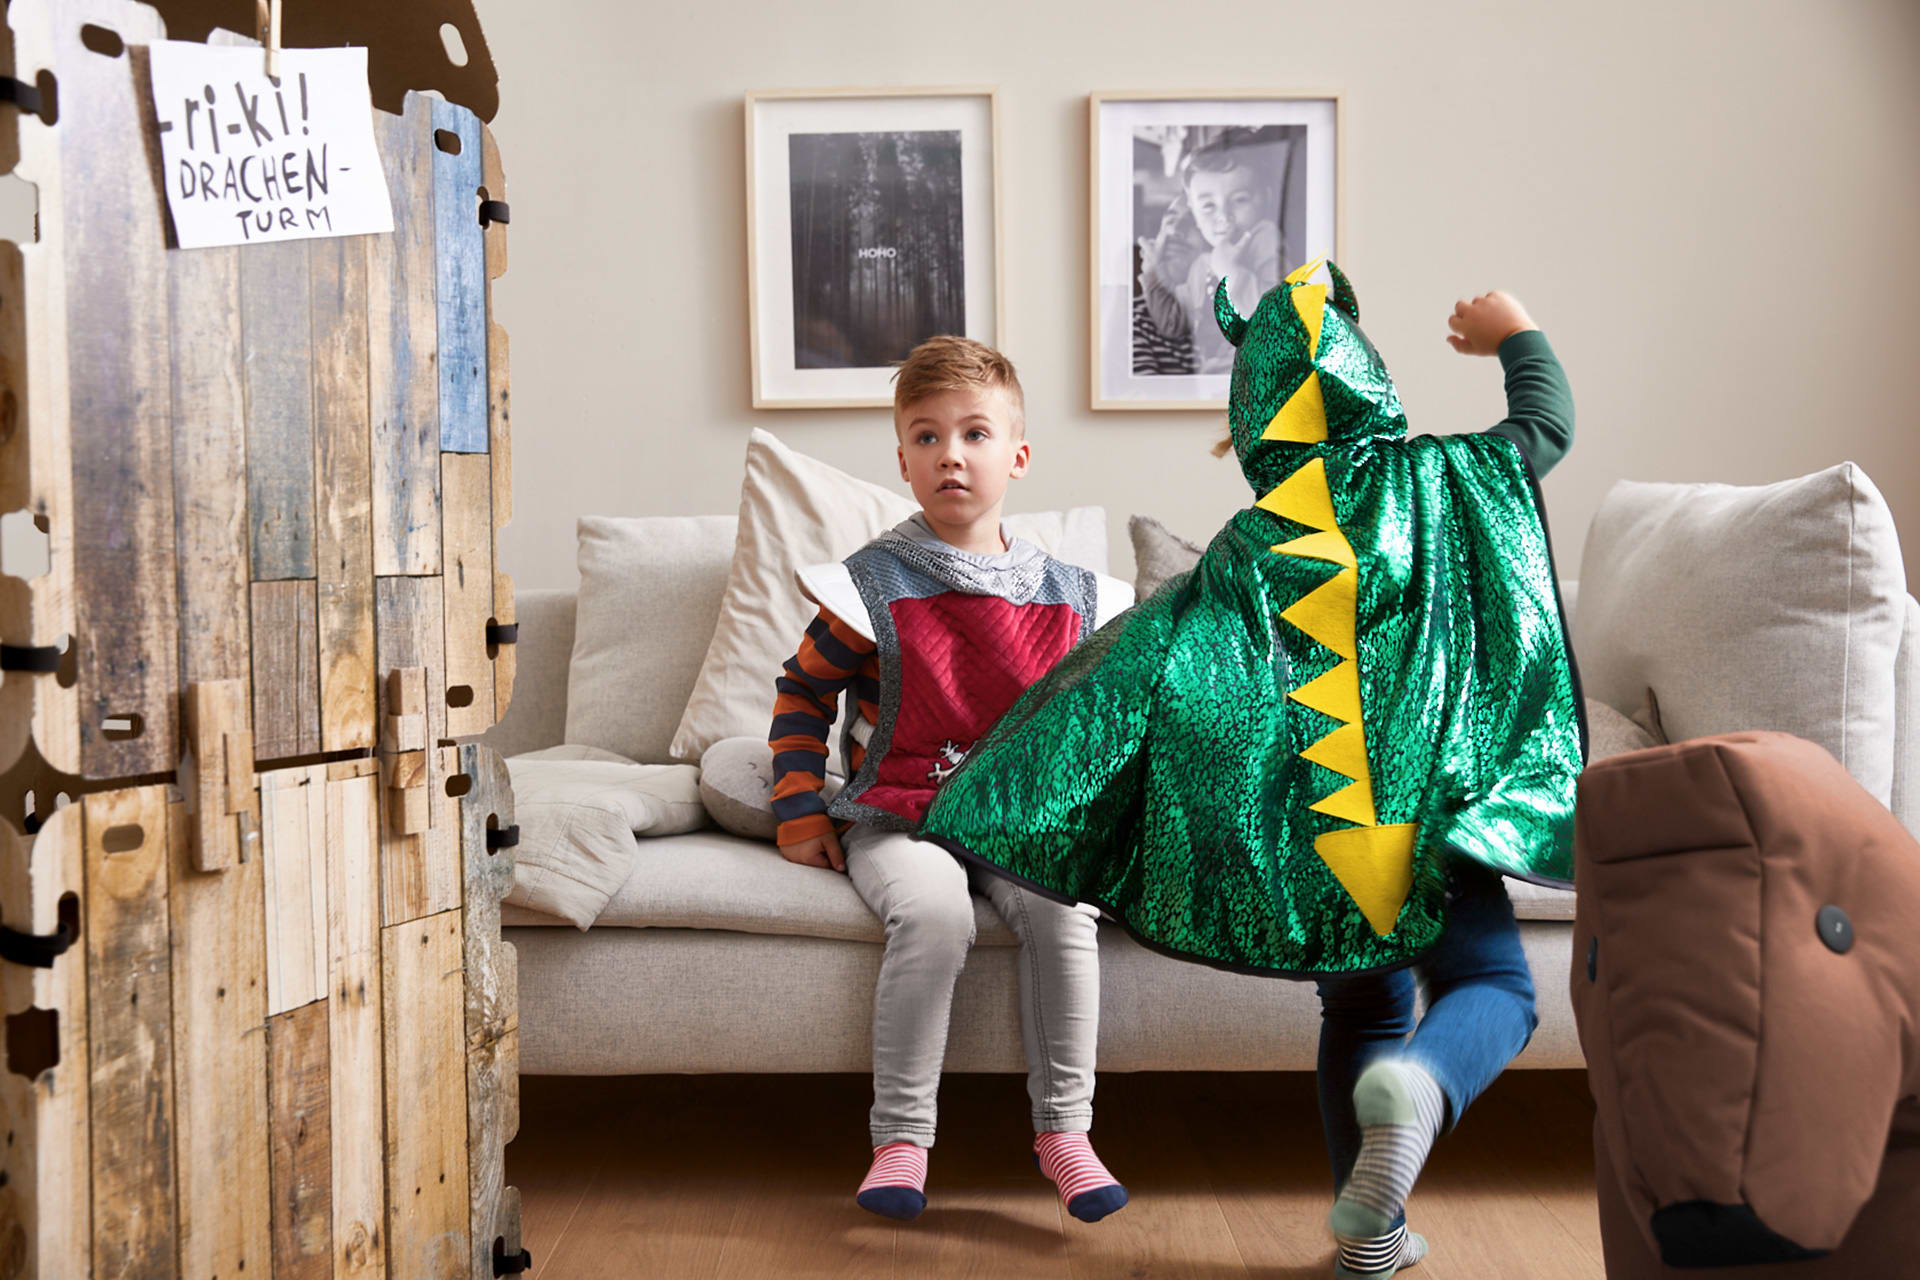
(649, 593)
(712, 880)
(796, 511)
(1772, 607)
(1158, 554)
(578, 813)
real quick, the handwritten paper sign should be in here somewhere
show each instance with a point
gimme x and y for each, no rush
(249, 159)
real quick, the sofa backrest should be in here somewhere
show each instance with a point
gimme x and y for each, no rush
(537, 716)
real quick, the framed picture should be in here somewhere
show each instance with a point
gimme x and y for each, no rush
(1187, 188)
(873, 223)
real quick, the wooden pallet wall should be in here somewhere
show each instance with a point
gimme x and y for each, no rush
(280, 1038)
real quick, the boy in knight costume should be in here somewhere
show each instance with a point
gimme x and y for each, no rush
(1315, 754)
(936, 627)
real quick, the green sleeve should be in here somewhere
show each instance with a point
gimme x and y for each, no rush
(1539, 401)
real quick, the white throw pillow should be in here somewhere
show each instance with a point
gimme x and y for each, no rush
(650, 590)
(797, 511)
(578, 818)
(1767, 607)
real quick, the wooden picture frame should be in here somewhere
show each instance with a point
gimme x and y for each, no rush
(1278, 155)
(834, 302)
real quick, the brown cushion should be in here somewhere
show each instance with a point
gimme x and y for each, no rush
(1735, 1057)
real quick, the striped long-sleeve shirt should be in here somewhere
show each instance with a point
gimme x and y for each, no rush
(832, 657)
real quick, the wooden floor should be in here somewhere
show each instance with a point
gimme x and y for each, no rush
(671, 1177)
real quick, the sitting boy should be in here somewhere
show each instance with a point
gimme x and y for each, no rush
(937, 626)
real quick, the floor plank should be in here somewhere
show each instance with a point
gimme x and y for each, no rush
(753, 1176)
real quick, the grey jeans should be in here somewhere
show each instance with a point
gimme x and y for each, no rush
(922, 895)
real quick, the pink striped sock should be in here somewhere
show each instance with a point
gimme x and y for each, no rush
(896, 1184)
(1088, 1190)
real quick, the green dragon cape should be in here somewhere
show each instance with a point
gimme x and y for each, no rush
(1265, 765)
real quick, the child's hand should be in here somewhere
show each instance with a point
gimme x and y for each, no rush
(1235, 257)
(1151, 251)
(1480, 326)
(821, 851)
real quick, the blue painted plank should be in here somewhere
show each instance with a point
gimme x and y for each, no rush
(461, 278)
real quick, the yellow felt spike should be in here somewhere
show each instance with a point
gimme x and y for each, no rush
(1336, 694)
(1303, 418)
(1303, 272)
(1375, 866)
(1303, 497)
(1344, 751)
(1310, 300)
(1331, 545)
(1326, 612)
(1352, 803)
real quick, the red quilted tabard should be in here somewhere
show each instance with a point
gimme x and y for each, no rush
(964, 660)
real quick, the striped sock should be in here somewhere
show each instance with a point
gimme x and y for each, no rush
(1378, 1256)
(896, 1184)
(1088, 1190)
(1400, 1108)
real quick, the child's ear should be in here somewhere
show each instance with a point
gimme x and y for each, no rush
(1022, 455)
(901, 450)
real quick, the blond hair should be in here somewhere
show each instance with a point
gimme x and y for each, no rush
(951, 363)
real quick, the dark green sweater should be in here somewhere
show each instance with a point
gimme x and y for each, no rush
(1539, 401)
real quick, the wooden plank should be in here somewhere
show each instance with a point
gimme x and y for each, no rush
(419, 873)
(402, 347)
(277, 330)
(426, 1088)
(120, 418)
(343, 495)
(130, 1033)
(505, 655)
(499, 434)
(45, 1187)
(293, 833)
(220, 1060)
(302, 1144)
(216, 773)
(356, 1092)
(43, 612)
(16, 474)
(460, 279)
(492, 1006)
(209, 465)
(467, 551)
(286, 683)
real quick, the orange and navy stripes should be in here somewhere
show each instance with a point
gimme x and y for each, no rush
(832, 658)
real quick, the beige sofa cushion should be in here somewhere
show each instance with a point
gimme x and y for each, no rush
(711, 880)
(797, 511)
(649, 593)
(1774, 606)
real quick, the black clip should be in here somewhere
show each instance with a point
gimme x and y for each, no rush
(492, 211)
(503, 632)
(34, 949)
(512, 1264)
(24, 96)
(14, 657)
(502, 837)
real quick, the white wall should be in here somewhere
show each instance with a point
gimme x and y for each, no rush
(1710, 205)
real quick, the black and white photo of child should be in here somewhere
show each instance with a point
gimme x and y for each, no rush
(1210, 201)
(878, 247)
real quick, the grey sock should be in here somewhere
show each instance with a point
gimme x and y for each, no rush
(1400, 1108)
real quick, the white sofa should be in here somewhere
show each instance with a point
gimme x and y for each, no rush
(718, 956)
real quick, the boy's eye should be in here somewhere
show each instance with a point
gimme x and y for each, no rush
(978, 433)
(925, 437)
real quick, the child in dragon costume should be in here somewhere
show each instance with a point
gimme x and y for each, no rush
(1315, 754)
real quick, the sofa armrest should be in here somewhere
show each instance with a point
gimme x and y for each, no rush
(1905, 800)
(537, 716)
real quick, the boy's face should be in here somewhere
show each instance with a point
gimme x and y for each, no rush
(1225, 204)
(958, 449)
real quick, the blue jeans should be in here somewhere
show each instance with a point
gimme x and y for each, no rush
(1479, 1012)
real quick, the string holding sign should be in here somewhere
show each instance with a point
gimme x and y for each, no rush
(251, 157)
